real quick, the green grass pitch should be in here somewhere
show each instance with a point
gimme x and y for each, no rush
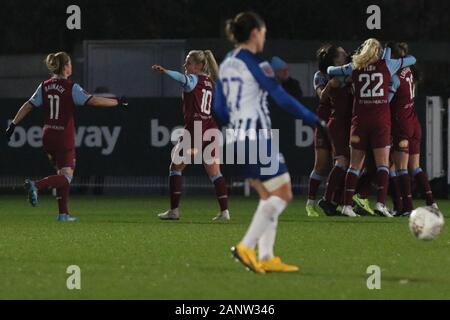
(125, 252)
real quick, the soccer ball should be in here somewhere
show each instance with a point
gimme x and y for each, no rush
(426, 223)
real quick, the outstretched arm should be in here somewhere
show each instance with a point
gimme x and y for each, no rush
(82, 98)
(35, 101)
(293, 106)
(263, 74)
(396, 64)
(103, 102)
(344, 70)
(188, 81)
(387, 53)
(26, 108)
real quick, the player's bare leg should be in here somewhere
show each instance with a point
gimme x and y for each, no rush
(321, 169)
(421, 178)
(262, 230)
(220, 185)
(401, 159)
(175, 186)
(381, 157)
(357, 158)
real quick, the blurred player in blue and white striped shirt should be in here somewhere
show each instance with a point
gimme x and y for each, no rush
(244, 82)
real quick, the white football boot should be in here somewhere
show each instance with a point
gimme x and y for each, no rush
(434, 205)
(348, 211)
(382, 210)
(222, 216)
(171, 214)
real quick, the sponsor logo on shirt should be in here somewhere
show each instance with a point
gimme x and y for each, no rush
(267, 69)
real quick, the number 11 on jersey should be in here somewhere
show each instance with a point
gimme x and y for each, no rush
(54, 107)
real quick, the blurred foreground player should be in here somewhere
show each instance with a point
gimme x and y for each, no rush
(58, 98)
(240, 100)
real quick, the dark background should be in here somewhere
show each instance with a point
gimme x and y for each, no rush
(39, 27)
(36, 26)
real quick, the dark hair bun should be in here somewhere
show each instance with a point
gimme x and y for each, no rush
(239, 29)
(326, 55)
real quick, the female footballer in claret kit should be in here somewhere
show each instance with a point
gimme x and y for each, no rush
(198, 87)
(58, 98)
(371, 124)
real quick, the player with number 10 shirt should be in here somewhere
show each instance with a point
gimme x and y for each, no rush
(197, 105)
(198, 86)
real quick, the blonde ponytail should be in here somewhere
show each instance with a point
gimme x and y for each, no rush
(369, 52)
(56, 62)
(211, 67)
(206, 58)
(52, 63)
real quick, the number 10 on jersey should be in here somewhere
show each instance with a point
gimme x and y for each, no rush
(206, 101)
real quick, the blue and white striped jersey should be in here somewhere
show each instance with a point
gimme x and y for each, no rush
(241, 93)
(245, 97)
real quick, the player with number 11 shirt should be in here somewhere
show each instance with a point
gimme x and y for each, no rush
(58, 98)
(198, 86)
(406, 136)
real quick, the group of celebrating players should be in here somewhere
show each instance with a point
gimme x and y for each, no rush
(356, 103)
(368, 104)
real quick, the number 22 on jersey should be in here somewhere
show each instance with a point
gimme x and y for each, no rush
(376, 91)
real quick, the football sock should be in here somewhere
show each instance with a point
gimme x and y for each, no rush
(56, 181)
(221, 191)
(335, 181)
(394, 188)
(382, 179)
(363, 187)
(264, 216)
(175, 182)
(422, 179)
(62, 195)
(339, 194)
(267, 240)
(351, 180)
(314, 183)
(405, 182)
